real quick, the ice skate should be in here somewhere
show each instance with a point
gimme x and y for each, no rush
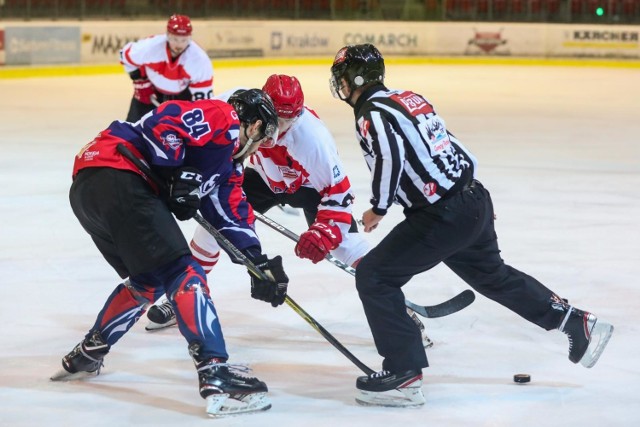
(161, 316)
(588, 336)
(85, 360)
(426, 341)
(385, 388)
(227, 391)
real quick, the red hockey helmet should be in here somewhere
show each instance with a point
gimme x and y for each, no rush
(179, 25)
(286, 93)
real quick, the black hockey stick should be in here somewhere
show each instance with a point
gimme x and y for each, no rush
(251, 267)
(450, 306)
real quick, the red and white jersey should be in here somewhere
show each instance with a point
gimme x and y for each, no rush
(192, 69)
(306, 156)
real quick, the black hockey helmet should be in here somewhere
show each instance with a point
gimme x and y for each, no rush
(255, 104)
(359, 65)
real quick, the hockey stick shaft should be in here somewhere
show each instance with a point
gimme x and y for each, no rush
(445, 308)
(293, 236)
(231, 249)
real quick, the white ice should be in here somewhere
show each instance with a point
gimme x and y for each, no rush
(559, 150)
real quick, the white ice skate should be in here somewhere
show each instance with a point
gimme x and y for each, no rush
(388, 389)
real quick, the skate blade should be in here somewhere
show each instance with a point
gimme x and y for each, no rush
(153, 326)
(407, 397)
(600, 335)
(63, 375)
(222, 405)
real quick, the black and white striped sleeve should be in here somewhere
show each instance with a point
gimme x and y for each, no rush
(387, 159)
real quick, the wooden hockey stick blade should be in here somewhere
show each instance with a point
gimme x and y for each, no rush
(453, 305)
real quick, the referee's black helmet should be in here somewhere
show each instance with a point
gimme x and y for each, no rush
(359, 65)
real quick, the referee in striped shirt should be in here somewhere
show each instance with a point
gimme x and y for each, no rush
(416, 162)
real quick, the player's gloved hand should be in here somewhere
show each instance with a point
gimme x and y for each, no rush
(274, 290)
(143, 90)
(318, 240)
(184, 193)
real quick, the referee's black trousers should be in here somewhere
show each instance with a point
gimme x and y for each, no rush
(458, 231)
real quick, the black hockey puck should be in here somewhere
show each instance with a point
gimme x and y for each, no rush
(521, 378)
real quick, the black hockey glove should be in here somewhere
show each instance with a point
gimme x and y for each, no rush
(273, 290)
(184, 193)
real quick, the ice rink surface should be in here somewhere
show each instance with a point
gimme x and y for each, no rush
(559, 150)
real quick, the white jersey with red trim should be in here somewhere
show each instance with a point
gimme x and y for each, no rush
(306, 156)
(192, 69)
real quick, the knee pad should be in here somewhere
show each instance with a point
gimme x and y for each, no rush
(186, 277)
(145, 295)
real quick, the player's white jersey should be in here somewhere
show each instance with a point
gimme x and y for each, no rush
(305, 155)
(191, 69)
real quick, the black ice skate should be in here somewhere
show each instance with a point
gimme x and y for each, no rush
(161, 316)
(225, 388)
(384, 388)
(426, 341)
(588, 336)
(84, 360)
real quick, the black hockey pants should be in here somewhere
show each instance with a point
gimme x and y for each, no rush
(458, 231)
(131, 226)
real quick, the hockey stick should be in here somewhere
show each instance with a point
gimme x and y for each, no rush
(231, 249)
(450, 306)
(293, 236)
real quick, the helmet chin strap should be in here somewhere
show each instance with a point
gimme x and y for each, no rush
(246, 147)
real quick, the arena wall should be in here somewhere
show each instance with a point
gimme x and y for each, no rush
(99, 42)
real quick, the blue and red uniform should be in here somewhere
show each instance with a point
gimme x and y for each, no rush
(203, 134)
(135, 231)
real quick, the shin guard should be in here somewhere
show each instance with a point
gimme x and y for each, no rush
(195, 313)
(123, 308)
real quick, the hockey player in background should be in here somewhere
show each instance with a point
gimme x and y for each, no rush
(301, 169)
(416, 162)
(165, 67)
(198, 148)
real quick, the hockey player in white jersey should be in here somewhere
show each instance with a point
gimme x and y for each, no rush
(301, 169)
(165, 67)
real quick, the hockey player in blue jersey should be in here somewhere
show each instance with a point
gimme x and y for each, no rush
(198, 148)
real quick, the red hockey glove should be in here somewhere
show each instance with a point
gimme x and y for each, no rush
(316, 242)
(142, 90)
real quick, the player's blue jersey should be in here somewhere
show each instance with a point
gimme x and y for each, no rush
(203, 134)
